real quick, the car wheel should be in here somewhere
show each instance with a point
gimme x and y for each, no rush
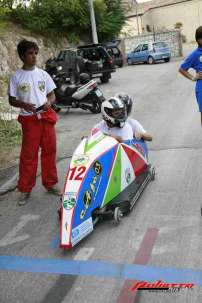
(130, 62)
(150, 60)
(96, 107)
(105, 78)
(167, 60)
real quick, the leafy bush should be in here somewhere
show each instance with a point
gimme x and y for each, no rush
(71, 18)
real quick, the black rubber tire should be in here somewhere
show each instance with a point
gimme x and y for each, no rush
(167, 60)
(96, 109)
(150, 60)
(105, 78)
(153, 174)
(129, 61)
(125, 207)
(117, 215)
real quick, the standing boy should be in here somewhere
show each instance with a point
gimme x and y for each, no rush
(194, 60)
(31, 88)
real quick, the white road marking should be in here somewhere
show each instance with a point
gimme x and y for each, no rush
(84, 254)
(10, 237)
(164, 249)
(10, 184)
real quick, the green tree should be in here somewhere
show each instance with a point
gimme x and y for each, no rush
(112, 18)
(71, 18)
(7, 3)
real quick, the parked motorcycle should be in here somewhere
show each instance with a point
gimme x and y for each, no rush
(85, 95)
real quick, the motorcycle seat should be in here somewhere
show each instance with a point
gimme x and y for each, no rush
(70, 90)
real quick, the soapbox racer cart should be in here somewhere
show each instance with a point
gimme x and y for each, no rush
(104, 180)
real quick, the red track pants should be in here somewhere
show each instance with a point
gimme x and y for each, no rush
(37, 133)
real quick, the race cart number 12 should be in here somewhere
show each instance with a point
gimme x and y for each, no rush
(77, 173)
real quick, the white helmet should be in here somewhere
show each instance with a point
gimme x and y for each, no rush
(114, 111)
(127, 100)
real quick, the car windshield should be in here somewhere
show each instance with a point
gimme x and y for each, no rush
(160, 45)
(138, 48)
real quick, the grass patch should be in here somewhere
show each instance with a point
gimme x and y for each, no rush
(3, 22)
(10, 137)
(10, 134)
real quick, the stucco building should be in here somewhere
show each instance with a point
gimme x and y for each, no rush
(162, 15)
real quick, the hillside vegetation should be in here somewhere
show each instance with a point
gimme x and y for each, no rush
(69, 18)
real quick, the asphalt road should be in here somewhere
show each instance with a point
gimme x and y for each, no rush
(163, 230)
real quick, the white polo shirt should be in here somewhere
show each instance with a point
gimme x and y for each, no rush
(136, 126)
(125, 133)
(30, 86)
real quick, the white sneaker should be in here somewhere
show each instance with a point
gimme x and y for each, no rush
(23, 198)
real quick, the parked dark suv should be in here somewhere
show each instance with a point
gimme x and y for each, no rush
(115, 53)
(92, 59)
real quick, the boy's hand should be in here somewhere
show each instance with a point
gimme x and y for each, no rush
(138, 135)
(29, 107)
(47, 106)
(198, 76)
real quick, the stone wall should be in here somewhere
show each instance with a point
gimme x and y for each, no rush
(173, 38)
(9, 60)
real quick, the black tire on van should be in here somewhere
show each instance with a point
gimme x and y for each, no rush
(105, 77)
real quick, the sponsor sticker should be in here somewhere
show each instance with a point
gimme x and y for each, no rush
(128, 175)
(80, 160)
(69, 200)
(93, 186)
(82, 231)
(200, 58)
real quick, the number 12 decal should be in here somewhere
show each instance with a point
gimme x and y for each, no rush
(77, 173)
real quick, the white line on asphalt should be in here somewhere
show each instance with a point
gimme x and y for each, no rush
(9, 185)
(84, 253)
(10, 237)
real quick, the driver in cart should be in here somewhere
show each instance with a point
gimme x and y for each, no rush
(138, 130)
(114, 122)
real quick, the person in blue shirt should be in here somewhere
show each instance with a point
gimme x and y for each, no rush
(194, 61)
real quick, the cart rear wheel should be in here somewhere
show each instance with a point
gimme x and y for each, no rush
(117, 215)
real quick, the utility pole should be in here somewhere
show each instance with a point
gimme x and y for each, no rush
(93, 23)
(136, 8)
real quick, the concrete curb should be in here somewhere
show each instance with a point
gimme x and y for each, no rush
(10, 185)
